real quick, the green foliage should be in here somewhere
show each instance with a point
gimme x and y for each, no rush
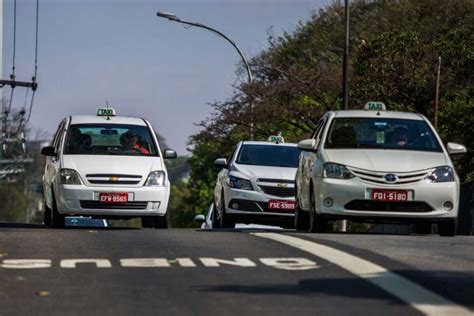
(14, 203)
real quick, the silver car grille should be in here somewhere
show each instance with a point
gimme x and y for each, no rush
(114, 179)
(277, 187)
(396, 178)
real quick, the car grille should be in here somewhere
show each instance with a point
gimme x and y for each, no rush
(114, 179)
(114, 206)
(275, 180)
(379, 177)
(277, 191)
(369, 205)
(252, 206)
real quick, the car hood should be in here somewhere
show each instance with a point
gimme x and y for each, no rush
(132, 165)
(386, 160)
(259, 172)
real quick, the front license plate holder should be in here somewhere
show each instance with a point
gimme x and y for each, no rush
(391, 195)
(113, 198)
(281, 205)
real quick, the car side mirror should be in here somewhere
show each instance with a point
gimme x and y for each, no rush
(456, 149)
(200, 218)
(221, 162)
(307, 144)
(48, 151)
(169, 154)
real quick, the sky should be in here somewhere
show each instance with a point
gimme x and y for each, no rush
(93, 51)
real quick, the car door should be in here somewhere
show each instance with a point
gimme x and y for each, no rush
(305, 168)
(52, 165)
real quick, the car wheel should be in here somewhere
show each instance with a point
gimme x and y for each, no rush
(317, 224)
(301, 218)
(216, 222)
(224, 220)
(47, 215)
(57, 220)
(423, 228)
(160, 222)
(147, 222)
(447, 228)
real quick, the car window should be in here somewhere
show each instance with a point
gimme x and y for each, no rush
(109, 139)
(265, 155)
(381, 133)
(57, 136)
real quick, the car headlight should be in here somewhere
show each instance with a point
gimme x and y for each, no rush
(69, 176)
(238, 183)
(156, 179)
(441, 174)
(336, 171)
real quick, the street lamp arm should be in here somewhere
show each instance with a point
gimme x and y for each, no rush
(244, 60)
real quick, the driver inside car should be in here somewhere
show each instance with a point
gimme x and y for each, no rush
(130, 141)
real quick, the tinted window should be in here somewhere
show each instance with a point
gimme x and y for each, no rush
(381, 133)
(264, 155)
(109, 139)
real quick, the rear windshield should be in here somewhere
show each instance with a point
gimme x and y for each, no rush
(109, 139)
(384, 133)
(269, 155)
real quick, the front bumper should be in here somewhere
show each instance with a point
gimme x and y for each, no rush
(254, 203)
(84, 200)
(352, 199)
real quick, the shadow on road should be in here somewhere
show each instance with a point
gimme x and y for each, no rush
(41, 226)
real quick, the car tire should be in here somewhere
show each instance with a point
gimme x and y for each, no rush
(317, 224)
(423, 228)
(216, 223)
(47, 215)
(57, 220)
(147, 221)
(224, 220)
(447, 228)
(160, 222)
(301, 219)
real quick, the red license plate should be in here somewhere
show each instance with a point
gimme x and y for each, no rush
(113, 197)
(389, 195)
(281, 205)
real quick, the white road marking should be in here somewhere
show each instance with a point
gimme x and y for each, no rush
(155, 262)
(289, 263)
(411, 293)
(26, 263)
(71, 263)
(214, 262)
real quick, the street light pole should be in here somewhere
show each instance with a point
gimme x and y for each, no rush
(174, 18)
(345, 85)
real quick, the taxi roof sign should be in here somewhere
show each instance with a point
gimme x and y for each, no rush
(375, 106)
(106, 112)
(276, 139)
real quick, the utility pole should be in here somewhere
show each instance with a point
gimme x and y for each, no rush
(436, 103)
(345, 84)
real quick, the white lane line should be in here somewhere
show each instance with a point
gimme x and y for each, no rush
(418, 297)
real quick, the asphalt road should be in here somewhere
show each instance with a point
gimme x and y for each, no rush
(231, 272)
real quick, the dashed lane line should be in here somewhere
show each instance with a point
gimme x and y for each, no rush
(416, 296)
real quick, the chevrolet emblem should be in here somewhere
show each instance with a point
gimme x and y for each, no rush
(114, 179)
(282, 185)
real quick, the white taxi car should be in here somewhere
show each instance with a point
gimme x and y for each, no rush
(106, 166)
(256, 184)
(377, 165)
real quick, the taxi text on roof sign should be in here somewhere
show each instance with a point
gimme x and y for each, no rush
(106, 112)
(375, 106)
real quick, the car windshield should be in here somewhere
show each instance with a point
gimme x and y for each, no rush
(109, 139)
(268, 155)
(381, 133)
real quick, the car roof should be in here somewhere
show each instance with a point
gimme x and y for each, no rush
(380, 114)
(92, 119)
(248, 142)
